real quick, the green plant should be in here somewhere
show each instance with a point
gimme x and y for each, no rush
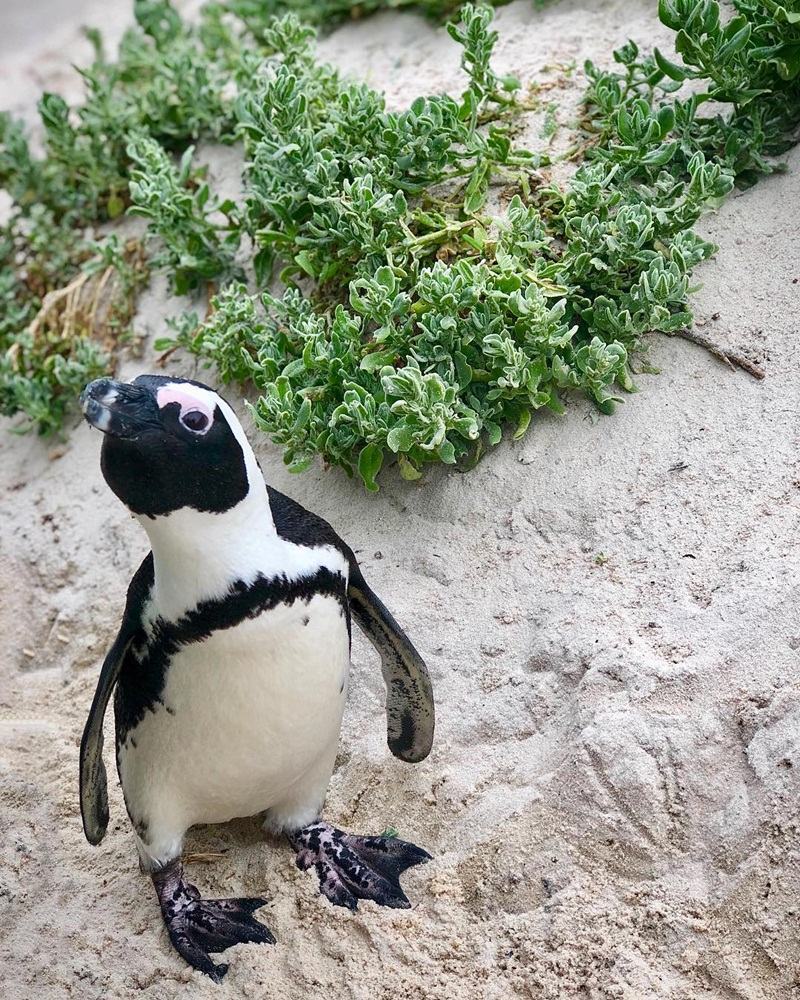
(177, 203)
(751, 65)
(433, 324)
(438, 289)
(257, 15)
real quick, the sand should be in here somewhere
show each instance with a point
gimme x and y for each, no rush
(610, 613)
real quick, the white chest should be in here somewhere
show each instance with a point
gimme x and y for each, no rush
(245, 714)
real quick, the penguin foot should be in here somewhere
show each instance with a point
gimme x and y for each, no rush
(352, 868)
(198, 926)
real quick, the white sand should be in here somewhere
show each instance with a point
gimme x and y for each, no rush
(613, 796)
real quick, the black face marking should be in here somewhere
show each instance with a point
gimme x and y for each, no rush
(141, 682)
(157, 459)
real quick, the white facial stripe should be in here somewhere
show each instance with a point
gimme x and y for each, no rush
(254, 477)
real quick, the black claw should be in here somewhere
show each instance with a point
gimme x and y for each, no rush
(220, 971)
(200, 927)
(352, 868)
(251, 903)
(196, 957)
(387, 855)
(345, 899)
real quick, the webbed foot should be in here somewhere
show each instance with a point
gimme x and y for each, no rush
(198, 927)
(352, 868)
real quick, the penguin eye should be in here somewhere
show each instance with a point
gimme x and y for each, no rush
(195, 421)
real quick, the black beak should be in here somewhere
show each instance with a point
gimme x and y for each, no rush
(118, 408)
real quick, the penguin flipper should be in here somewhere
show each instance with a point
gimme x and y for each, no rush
(410, 712)
(93, 781)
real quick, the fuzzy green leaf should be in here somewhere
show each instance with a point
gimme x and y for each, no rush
(370, 460)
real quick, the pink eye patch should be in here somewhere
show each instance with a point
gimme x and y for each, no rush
(197, 414)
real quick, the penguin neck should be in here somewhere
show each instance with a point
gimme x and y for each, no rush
(198, 555)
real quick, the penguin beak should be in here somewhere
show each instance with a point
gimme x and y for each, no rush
(119, 409)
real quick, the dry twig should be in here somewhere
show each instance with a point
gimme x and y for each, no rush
(731, 358)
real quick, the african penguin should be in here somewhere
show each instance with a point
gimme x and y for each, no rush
(231, 663)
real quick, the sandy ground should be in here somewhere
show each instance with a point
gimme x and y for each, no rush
(610, 613)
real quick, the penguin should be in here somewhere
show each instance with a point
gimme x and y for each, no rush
(230, 667)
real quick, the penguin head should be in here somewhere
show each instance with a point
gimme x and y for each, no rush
(169, 443)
